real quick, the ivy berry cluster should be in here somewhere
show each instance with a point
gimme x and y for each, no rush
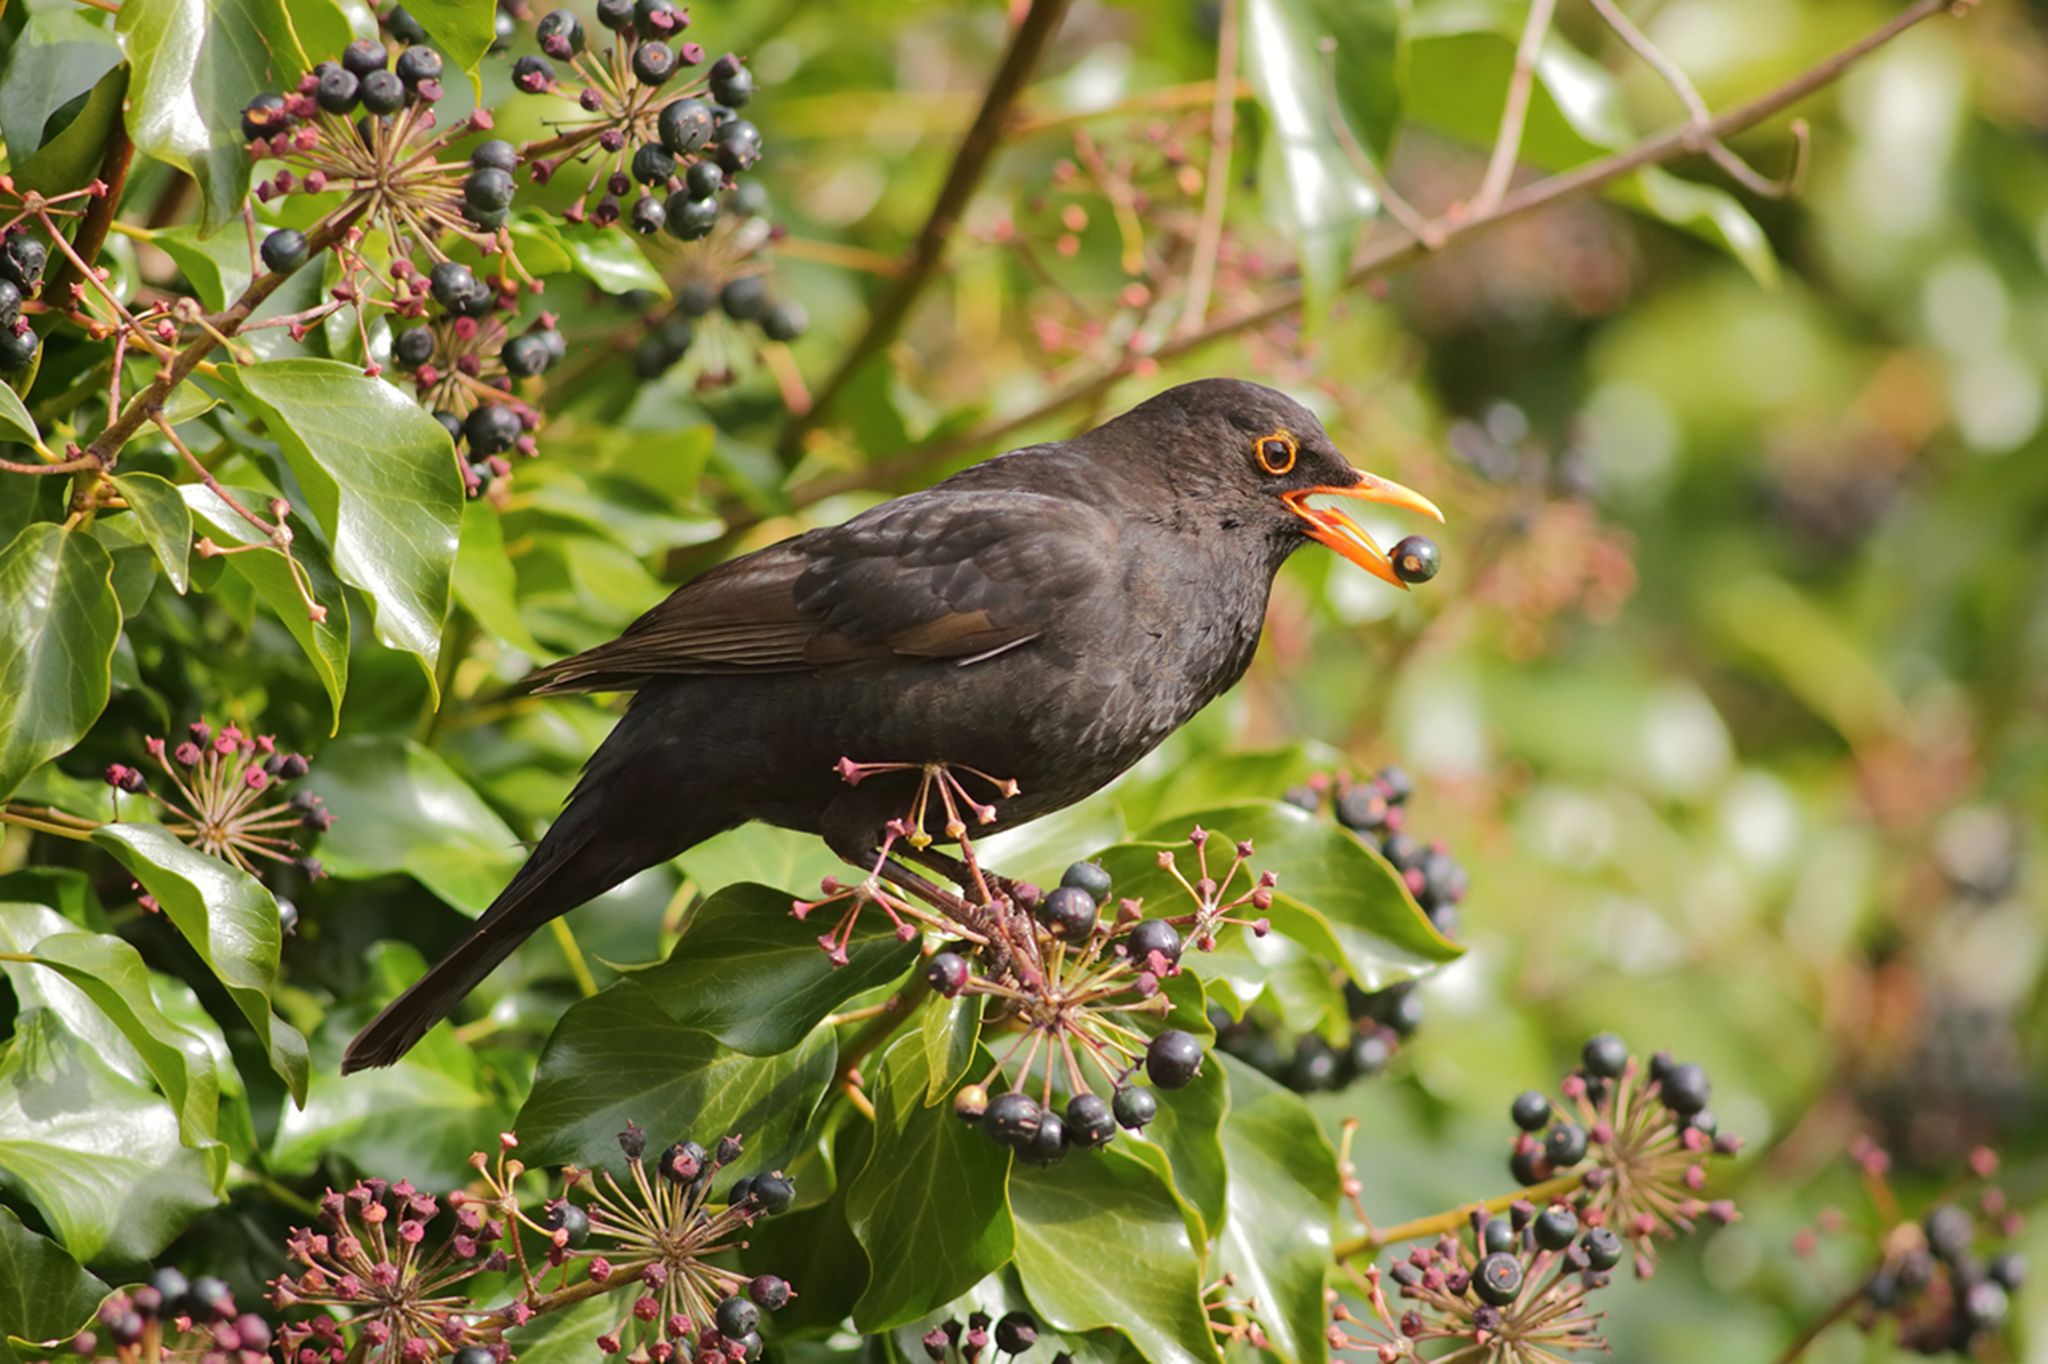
(22, 260)
(171, 1317)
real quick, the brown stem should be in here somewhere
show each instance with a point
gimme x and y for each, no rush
(99, 215)
(970, 163)
(889, 1017)
(1391, 253)
(1820, 1325)
(1451, 1220)
(1507, 144)
(1216, 193)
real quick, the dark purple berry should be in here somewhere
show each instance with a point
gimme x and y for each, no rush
(737, 145)
(1685, 1089)
(697, 297)
(682, 1162)
(1012, 1120)
(2008, 1270)
(487, 190)
(735, 1317)
(451, 283)
(1498, 1235)
(658, 18)
(473, 1354)
(1497, 1280)
(946, 973)
(525, 356)
(1069, 912)
(1555, 1227)
(284, 250)
(1088, 876)
(560, 34)
(1527, 1166)
(337, 90)
(450, 423)
(1368, 1054)
(769, 1293)
(1089, 1120)
(1605, 1056)
(491, 429)
(1153, 936)
(744, 300)
(209, 1298)
(569, 1219)
(262, 117)
(731, 83)
(1048, 1144)
(533, 74)
(1602, 1247)
(1361, 808)
(403, 26)
(1133, 1106)
(690, 219)
(383, 93)
(653, 63)
(703, 178)
(774, 1192)
(1016, 1332)
(684, 125)
(1173, 1059)
(653, 164)
(363, 56)
(1565, 1145)
(1415, 559)
(17, 348)
(616, 15)
(417, 64)
(10, 302)
(1530, 1110)
(1951, 1232)
(1314, 1066)
(785, 320)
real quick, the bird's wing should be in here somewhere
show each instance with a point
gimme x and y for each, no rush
(944, 574)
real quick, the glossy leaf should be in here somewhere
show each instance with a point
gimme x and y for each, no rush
(165, 520)
(461, 31)
(782, 858)
(752, 975)
(44, 1293)
(96, 1152)
(267, 571)
(1324, 199)
(229, 919)
(104, 974)
(1283, 1196)
(58, 624)
(618, 1057)
(398, 807)
(218, 267)
(929, 1206)
(1102, 1241)
(950, 1030)
(1187, 1131)
(57, 57)
(15, 421)
(71, 159)
(379, 477)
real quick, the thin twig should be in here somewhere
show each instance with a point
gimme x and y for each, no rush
(1416, 223)
(1436, 1224)
(970, 163)
(1507, 144)
(1820, 1325)
(1375, 260)
(1216, 193)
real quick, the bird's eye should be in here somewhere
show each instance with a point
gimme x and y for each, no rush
(1275, 453)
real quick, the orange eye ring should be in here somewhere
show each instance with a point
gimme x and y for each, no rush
(1275, 453)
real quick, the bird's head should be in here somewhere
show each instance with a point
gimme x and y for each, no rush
(1255, 460)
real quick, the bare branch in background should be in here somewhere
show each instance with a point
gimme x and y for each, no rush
(1507, 143)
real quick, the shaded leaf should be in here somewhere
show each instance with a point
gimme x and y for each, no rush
(97, 1153)
(1284, 1189)
(1102, 1241)
(218, 267)
(15, 419)
(230, 920)
(399, 808)
(44, 1293)
(57, 57)
(752, 975)
(483, 581)
(379, 473)
(950, 1030)
(618, 1057)
(59, 622)
(461, 29)
(928, 1206)
(165, 520)
(72, 158)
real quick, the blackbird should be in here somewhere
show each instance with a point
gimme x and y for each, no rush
(1047, 617)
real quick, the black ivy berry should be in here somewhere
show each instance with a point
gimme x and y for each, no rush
(735, 1317)
(774, 1192)
(731, 83)
(654, 63)
(658, 18)
(682, 1162)
(2008, 1271)
(1950, 1232)
(10, 302)
(1068, 914)
(22, 260)
(1133, 1106)
(684, 125)
(1685, 1089)
(1602, 1247)
(487, 190)
(1556, 1227)
(1499, 1234)
(1048, 1144)
(560, 34)
(1605, 1056)
(17, 348)
(1089, 1120)
(946, 973)
(572, 1221)
(745, 298)
(284, 250)
(413, 348)
(337, 90)
(785, 320)
(703, 177)
(1173, 1059)
(1314, 1066)
(452, 424)
(209, 1297)
(737, 145)
(653, 164)
(264, 116)
(1368, 1054)
(491, 429)
(1088, 876)
(417, 64)
(496, 154)
(1415, 559)
(1530, 1110)
(525, 356)
(769, 1293)
(1149, 937)
(1497, 1280)
(1012, 1120)
(383, 93)
(690, 219)
(451, 283)
(403, 26)
(1361, 808)
(1016, 1333)
(1565, 1145)
(365, 55)
(533, 74)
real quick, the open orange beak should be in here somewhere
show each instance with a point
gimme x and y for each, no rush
(1347, 537)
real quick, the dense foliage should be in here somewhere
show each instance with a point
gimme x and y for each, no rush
(353, 363)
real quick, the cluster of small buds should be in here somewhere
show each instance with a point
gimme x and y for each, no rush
(1514, 1290)
(1147, 180)
(22, 260)
(680, 141)
(467, 367)
(1944, 1280)
(1012, 1334)
(1380, 1020)
(1376, 809)
(170, 1318)
(723, 297)
(224, 795)
(1221, 901)
(1627, 1147)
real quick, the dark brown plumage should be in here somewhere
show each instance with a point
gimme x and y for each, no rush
(1048, 616)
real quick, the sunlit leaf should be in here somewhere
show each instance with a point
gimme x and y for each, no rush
(58, 623)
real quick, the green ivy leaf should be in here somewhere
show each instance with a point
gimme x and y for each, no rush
(618, 1057)
(59, 622)
(1335, 896)
(230, 920)
(72, 158)
(1102, 1241)
(612, 261)
(1187, 1131)
(165, 520)
(928, 1207)
(96, 1152)
(44, 1293)
(217, 267)
(484, 583)
(1325, 200)
(752, 975)
(57, 57)
(764, 854)
(462, 29)
(379, 473)
(1284, 1189)
(399, 808)
(950, 1029)
(15, 418)
(266, 570)
(424, 1115)
(103, 974)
